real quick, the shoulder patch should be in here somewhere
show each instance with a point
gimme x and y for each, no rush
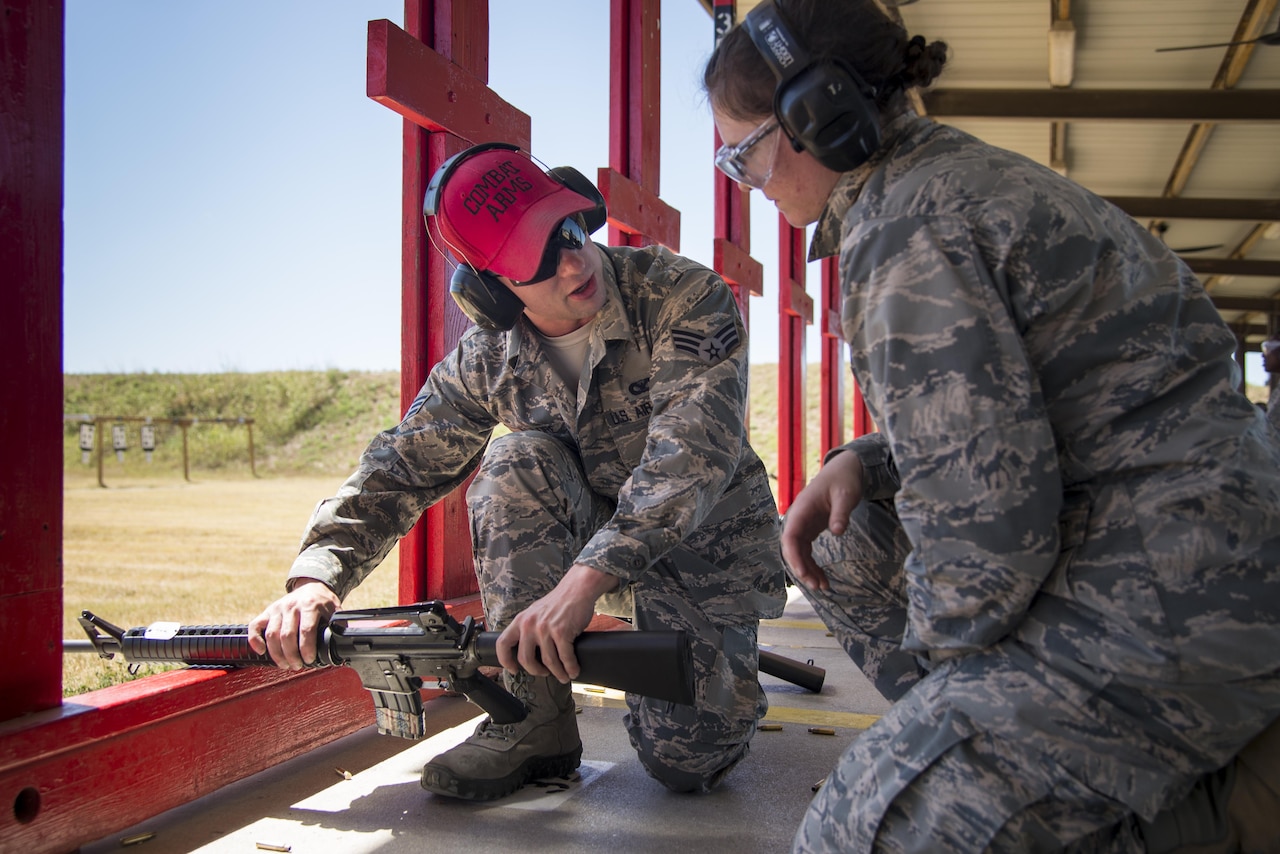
(710, 348)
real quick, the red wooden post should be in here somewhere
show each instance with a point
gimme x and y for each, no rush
(630, 185)
(731, 248)
(435, 74)
(31, 136)
(862, 423)
(831, 404)
(795, 309)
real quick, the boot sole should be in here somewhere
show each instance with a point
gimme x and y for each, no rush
(442, 781)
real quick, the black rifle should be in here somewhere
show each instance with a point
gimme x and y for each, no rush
(394, 660)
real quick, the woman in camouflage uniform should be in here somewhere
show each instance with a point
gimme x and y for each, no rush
(1059, 555)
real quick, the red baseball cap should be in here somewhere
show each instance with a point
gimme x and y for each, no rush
(497, 209)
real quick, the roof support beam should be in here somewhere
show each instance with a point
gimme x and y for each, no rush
(1261, 305)
(1255, 210)
(1129, 105)
(1233, 267)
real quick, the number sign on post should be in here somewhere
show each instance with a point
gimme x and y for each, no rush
(86, 442)
(119, 441)
(148, 439)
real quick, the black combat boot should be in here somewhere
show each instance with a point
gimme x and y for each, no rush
(498, 759)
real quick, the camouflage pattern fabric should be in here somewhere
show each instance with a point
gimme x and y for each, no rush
(525, 543)
(1090, 509)
(1273, 406)
(644, 473)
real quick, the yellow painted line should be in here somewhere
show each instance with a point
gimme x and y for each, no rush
(608, 698)
(816, 625)
(819, 717)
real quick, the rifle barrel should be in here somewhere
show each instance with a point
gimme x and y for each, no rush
(806, 675)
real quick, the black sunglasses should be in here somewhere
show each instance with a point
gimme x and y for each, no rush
(569, 234)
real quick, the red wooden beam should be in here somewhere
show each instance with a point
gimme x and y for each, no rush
(426, 88)
(111, 758)
(738, 268)
(635, 211)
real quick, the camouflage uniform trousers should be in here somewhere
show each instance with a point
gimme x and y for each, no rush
(531, 513)
(993, 750)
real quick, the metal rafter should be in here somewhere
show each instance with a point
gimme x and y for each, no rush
(1234, 62)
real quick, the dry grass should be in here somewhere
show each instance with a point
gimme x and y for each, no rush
(208, 552)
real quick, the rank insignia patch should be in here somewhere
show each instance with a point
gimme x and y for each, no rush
(710, 348)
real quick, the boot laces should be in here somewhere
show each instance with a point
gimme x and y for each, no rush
(500, 732)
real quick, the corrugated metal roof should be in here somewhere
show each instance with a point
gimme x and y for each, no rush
(1002, 45)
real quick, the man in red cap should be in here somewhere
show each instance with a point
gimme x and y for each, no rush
(622, 482)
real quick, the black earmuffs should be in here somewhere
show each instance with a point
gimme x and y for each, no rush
(824, 106)
(482, 297)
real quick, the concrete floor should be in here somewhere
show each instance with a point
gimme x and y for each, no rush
(361, 793)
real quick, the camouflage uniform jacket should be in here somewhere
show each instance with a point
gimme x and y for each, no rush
(658, 422)
(1061, 430)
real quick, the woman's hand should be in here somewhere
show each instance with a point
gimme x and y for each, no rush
(824, 504)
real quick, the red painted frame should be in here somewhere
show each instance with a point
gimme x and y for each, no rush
(435, 73)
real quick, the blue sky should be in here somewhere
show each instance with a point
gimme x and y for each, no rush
(233, 196)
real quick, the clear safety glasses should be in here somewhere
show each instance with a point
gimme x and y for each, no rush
(569, 234)
(750, 162)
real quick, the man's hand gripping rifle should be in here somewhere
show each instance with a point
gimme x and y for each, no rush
(425, 642)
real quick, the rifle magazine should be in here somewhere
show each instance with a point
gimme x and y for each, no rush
(401, 715)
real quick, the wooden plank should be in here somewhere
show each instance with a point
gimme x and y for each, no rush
(635, 210)
(737, 267)
(436, 94)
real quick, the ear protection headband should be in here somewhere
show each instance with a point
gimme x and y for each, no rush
(825, 106)
(480, 294)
